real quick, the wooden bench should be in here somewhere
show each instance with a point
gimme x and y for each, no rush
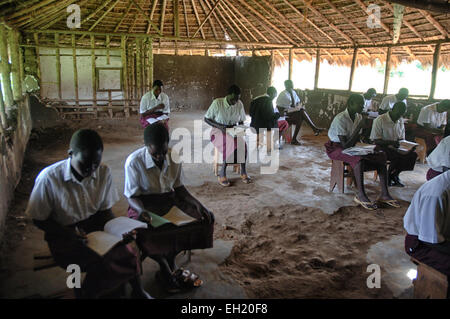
(429, 283)
(340, 171)
(236, 167)
(421, 150)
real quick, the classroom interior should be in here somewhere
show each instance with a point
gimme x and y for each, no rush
(283, 236)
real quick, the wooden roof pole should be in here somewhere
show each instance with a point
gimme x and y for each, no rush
(163, 16)
(217, 19)
(149, 26)
(316, 74)
(248, 22)
(233, 22)
(436, 24)
(92, 27)
(185, 18)
(384, 26)
(49, 14)
(197, 17)
(124, 15)
(387, 71)
(229, 25)
(425, 5)
(30, 9)
(353, 68)
(241, 23)
(59, 16)
(207, 17)
(436, 56)
(145, 15)
(405, 22)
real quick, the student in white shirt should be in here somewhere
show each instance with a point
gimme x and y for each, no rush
(288, 99)
(388, 130)
(72, 198)
(368, 99)
(427, 223)
(225, 113)
(431, 123)
(344, 132)
(389, 100)
(439, 159)
(154, 183)
(154, 104)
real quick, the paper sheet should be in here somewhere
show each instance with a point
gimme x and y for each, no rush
(160, 118)
(178, 217)
(101, 242)
(122, 225)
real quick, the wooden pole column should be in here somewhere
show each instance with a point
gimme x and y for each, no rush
(387, 71)
(291, 63)
(123, 46)
(139, 67)
(3, 118)
(5, 68)
(436, 56)
(75, 70)
(352, 70)
(38, 60)
(58, 66)
(15, 64)
(316, 75)
(150, 64)
(94, 80)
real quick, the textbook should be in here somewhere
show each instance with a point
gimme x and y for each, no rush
(160, 118)
(294, 109)
(238, 130)
(175, 216)
(407, 145)
(103, 241)
(360, 150)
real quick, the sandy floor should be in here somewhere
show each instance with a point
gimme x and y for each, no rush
(292, 238)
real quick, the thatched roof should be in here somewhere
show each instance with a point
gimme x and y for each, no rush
(191, 26)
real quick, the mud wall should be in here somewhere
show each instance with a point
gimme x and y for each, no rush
(12, 151)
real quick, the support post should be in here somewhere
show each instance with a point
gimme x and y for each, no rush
(316, 75)
(15, 64)
(58, 66)
(38, 60)
(387, 71)
(75, 70)
(352, 70)
(139, 67)
(291, 63)
(123, 46)
(436, 56)
(5, 68)
(94, 81)
(3, 118)
(150, 63)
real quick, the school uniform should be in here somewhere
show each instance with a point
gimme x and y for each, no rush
(156, 189)
(439, 159)
(149, 101)
(223, 113)
(429, 115)
(343, 125)
(384, 128)
(264, 117)
(59, 196)
(427, 223)
(387, 103)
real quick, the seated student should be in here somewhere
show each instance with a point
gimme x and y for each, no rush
(427, 223)
(431, 123)
(344, 132)
(263, 115)
(154, 104)
(388, 130)
(289, 99)
(154, 183)
(74, 197)
(368, 100)
(224, 113)
(439, 159)
(389, 100)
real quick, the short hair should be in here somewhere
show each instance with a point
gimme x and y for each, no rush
(399, 106)
(85, 139)
(354, 97)
(156, 134)
(372, 91)
(288, 82)
(157, 83)
(445, 104)
(271, 90)
(234, 89)
(403, 91)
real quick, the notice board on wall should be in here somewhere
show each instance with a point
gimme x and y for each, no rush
(109, 79)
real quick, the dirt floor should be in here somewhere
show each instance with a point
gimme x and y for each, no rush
(292, 238)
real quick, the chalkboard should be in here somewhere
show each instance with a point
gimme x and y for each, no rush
(109, 79)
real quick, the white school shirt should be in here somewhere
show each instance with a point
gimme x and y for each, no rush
(428, 216)
(383, 128)
(59, 195)
(284, 99)
(149, 101)
(343, 125)
(143, 177)
(429, 114)
(440, 157)
(224, 113)
(388, 102)
(367, 105)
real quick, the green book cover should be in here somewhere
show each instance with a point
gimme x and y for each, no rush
(158, 221)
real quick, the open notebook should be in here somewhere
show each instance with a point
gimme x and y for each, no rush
(160, 118)
(407, 145)
(238, 130)
(175, 216)
(360, 150)
(103, 241)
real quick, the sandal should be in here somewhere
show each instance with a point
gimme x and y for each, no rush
(188, 279)
(366, 205)
(171, 286)
(224, 181)
(246, 179)
(390, 202)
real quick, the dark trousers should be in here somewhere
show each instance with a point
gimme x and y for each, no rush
(400, 162)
